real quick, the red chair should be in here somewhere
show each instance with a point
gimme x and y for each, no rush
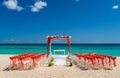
(15, 59)
(114, 61)
(97, 59)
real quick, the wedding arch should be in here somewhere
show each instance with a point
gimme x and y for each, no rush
(49, 39)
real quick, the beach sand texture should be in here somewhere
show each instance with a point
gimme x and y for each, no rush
(56, 71)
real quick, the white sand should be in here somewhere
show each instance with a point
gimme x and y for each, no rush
(56, 71)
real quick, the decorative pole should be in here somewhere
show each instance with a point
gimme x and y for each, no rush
(48, 45)
(68, 40)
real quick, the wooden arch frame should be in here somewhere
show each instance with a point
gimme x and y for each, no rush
(49, 38)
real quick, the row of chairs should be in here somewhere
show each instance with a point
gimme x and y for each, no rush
(96, 60)
(26, 60)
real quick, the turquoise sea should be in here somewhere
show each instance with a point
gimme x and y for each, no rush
(109, 49)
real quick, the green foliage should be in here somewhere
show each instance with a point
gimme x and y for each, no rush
(52, 59)
(67, 57)
(51, 62)
(69, 61)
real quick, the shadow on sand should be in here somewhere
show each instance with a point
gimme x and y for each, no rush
(18, 68)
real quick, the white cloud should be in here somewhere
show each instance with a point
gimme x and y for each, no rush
(11, 41)
(38, 6)
(77, 0)
(13, 5)
(115, 7)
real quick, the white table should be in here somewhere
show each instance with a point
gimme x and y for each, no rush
(59, 51)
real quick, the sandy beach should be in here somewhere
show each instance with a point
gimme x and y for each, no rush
(56, 71)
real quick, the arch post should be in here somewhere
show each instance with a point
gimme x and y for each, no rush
(68, 40)
(48, 45)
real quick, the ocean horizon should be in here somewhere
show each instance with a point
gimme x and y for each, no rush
(108, 49)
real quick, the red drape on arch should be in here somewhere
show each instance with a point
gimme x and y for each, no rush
(68, 40)
(49, 41)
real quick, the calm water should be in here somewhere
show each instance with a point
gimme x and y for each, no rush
(110, 49)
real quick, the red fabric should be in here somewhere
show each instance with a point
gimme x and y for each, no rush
(68, 40)
(49, 41)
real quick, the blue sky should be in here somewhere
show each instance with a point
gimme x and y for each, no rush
(87, 21)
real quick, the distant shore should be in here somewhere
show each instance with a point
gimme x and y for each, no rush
(56, 71)
(60, 43)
